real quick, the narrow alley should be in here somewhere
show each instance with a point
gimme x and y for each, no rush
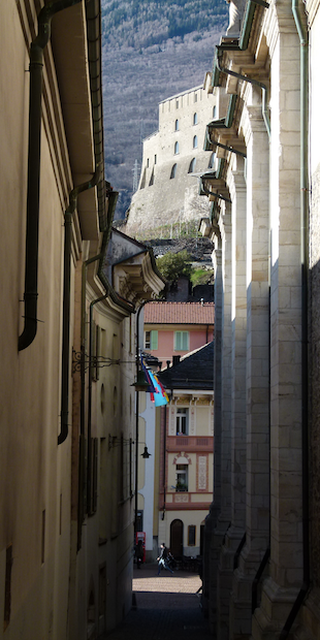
(167, 607)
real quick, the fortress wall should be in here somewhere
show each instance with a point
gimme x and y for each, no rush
(166, 195)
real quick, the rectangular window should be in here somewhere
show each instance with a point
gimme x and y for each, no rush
(97, 352)
(43, 536)
(192, 535)
(7, 593)
(182, 421)
(95, 349)
(181, 340)
(92, 487)
(140, 520)
(181, 477)
(126, 480)
(151, 340)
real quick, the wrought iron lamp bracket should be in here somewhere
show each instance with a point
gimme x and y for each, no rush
(80, 360)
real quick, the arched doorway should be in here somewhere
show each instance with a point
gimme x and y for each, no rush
(176, 538)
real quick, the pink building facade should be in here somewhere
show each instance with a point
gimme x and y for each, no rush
(176, 328)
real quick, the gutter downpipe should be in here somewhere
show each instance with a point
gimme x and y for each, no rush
(304, 204)
(65, 360)
(129, 308)
(214, 143)
(215, 195)
(137, 427)
(103, 280)
(89, 467)
(33, 182)
(82, 494)
(256, 83)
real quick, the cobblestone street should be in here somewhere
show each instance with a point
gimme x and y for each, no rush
(165, 607)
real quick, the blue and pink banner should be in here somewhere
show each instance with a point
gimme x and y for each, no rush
(157, 391)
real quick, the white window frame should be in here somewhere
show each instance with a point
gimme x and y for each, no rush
(182, 477)
(182, 421)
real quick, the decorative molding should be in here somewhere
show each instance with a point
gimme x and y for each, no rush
(202, 473)
(172, 420)
(181, 498)
(182, 454)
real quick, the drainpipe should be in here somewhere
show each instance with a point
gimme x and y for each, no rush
(129, 308)
(137, 424)
(68, 218)
(214, 143)
(32, 225)
(89, 468)
(211, 193)
(304, 204)
(164, 460)
(256, 83)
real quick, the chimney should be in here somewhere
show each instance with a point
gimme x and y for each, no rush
(175, 360)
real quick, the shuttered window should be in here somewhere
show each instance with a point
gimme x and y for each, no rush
(151, 340)
(181, 341)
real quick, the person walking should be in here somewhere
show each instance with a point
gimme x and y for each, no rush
(163, 559)
(139, 554)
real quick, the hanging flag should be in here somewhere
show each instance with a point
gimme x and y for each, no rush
(147, 376)
(157, 392)
(160, 396)
(162, 389)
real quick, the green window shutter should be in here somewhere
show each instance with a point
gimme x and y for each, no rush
(181, 341)
(153, 340)
(185, 341)
(177, 341)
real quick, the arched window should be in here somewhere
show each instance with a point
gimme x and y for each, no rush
(195, 118)
(211, 160)
(176, 147)
(195, 142)
(192, 165)
(173, 171)
(176, 125)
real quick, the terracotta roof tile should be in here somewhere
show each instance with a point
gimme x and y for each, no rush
(179, 313)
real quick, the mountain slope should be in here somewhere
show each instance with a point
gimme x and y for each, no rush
(151, 50)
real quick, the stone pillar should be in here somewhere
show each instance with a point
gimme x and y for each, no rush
(210, 562)
(256, 385)
(223, 525)
(286, 575)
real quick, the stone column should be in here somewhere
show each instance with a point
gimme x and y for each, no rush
(210, 562)
(286, 575)
(256, 385)
(224, 520)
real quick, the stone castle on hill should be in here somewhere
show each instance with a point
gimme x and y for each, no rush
(173, 158)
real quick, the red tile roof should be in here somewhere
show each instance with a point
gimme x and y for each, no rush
(179, 313)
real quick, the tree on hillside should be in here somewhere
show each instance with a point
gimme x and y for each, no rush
(173, 265)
